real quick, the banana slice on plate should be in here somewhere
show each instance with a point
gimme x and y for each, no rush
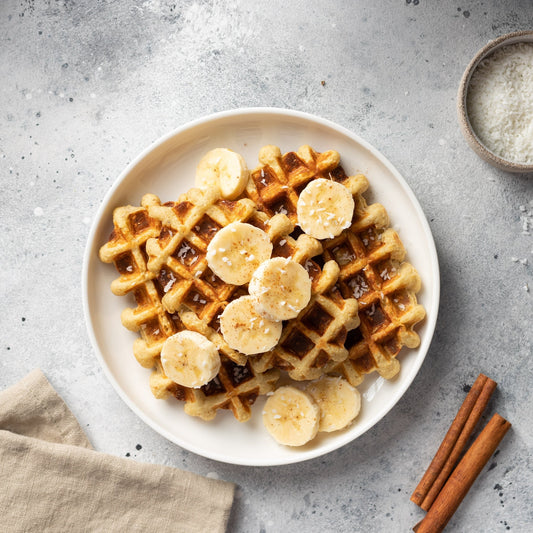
(324, 208)
(236, 251)
(291, 416)
(280, 288)
(190, 359)
(224, 170)
(245, 330)
(338, 401)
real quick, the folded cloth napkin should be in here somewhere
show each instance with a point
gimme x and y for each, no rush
(52, 480)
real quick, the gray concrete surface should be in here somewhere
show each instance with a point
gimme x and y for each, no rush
(87, 85)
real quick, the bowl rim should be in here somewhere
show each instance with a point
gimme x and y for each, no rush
(464, 121)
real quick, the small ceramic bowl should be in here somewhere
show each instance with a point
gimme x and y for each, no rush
(462, 111)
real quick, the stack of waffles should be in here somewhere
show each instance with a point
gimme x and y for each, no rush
(362, 308)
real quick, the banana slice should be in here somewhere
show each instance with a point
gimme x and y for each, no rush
(338, 401)
(245, 330)
(291, 416)
(281, 288)
(190, 359)
(324, 208)
(236, 251)
(224, 170)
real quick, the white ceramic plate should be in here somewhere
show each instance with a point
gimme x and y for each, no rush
(167, 169)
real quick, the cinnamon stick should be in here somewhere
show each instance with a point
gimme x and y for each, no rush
(464, 475)
(449, 442)
(460, 444)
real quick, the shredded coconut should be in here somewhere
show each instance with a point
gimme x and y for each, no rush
(358, 286)
(384, 274)
(500, 102)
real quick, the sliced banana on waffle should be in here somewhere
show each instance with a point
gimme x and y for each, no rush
(291, 416)
(190, 359)
(245, 330)
(338, 401)
(236, 251)
(280, 288)
(325, 208)
(224, 170)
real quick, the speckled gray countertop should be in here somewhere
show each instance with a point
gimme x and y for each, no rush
(87, 85)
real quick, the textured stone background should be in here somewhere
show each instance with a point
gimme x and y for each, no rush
(87, 85)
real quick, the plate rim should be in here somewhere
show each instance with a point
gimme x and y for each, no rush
(431, 314)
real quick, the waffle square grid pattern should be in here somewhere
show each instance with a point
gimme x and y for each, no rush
(369, 253)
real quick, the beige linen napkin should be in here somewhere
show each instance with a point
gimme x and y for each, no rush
(52, 480)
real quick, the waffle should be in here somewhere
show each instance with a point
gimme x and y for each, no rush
(236, 387)
(133, 226)
(313, 343)
(308, 344)
(178, 257)
(370, 256)
(136, 228)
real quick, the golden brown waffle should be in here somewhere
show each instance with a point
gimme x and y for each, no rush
(370, 256)
(178, 257)
(126, 248)
(313, 343)
(159, 251)
(236, 387)
(308, 344)
(132, 227)
(385, 287)
(276, 184)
